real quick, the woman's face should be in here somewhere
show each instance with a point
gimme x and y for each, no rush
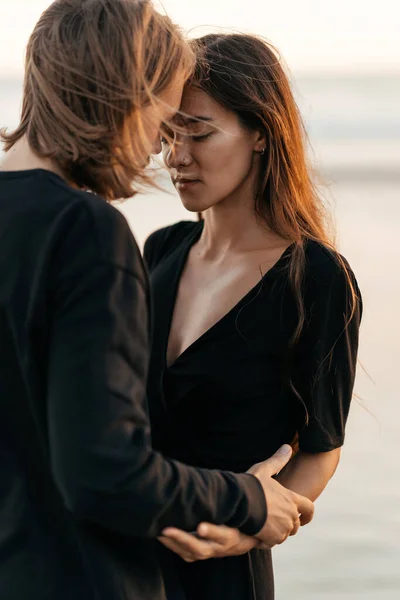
(215, 157)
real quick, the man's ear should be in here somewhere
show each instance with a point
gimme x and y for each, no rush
(156, 149)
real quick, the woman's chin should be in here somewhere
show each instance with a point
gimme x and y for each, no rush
(194, 205)
(193, 209)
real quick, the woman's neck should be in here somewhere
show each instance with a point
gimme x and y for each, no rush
(232, 225)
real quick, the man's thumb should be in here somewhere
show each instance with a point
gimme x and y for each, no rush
(278, 460)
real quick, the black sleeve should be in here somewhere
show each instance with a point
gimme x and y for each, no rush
(152, 248)
(99, 434)
(164, 240)
(326, 357)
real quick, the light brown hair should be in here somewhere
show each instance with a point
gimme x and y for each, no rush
(91, 66)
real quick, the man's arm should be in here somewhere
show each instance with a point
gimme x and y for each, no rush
(98, 425)
(99, 436)
(217, 541)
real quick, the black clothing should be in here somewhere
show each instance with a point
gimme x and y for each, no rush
(81, 490)
(227, 401)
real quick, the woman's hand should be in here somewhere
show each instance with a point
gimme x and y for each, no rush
(210, 541)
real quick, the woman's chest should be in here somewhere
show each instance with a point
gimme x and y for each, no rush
(207, 292)
(240, 354)
(204, 300)
(229, 385)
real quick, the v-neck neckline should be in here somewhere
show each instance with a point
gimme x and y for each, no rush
(189, 243)
(191, 240)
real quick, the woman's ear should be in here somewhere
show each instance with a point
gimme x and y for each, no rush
(260, 143)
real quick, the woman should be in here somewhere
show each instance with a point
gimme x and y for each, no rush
(82, 492)
(256, 314)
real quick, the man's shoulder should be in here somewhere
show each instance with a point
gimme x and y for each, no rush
(85, 219)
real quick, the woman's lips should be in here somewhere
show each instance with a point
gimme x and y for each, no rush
(186, 184)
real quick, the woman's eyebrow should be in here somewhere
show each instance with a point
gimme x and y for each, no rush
(196, 119)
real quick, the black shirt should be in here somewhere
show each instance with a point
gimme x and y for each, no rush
(80, 486)
(228, 401)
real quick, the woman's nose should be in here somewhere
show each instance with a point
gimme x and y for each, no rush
(178, 155)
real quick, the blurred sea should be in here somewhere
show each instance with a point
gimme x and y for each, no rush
(351, 551)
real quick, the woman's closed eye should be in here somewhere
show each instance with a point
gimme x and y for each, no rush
(197, 138)
(202, 137)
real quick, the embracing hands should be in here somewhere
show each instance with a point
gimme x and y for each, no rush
(210, 541)
(287, 511)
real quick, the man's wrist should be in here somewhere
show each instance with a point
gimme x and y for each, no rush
(255, 507)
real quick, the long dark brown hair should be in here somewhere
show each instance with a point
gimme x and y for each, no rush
(244, 74)
(91, 66)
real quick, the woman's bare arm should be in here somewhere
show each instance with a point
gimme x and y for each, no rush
(309, 474)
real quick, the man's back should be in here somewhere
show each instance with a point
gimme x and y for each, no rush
(44, 553)
(82, 494)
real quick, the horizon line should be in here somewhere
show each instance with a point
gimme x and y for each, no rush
(328, 72)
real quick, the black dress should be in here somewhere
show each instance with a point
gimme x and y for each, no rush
(228, 401)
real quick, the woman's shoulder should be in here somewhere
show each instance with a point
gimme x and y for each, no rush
(162, 241)
(328, 274)
(325, 264)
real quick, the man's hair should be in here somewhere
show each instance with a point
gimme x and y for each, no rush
(91, 67)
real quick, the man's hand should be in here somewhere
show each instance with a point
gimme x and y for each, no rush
(286, 509)
(210, 541)
(286, 512)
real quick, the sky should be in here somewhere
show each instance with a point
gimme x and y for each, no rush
(312, 35)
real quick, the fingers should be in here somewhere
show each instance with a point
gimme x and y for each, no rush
(226, 541)
(280, 459)
(175, 547)
(296, 526)
(218, 541)
(220, 534)
(275, 463)
(187, 545)
(305, 508)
